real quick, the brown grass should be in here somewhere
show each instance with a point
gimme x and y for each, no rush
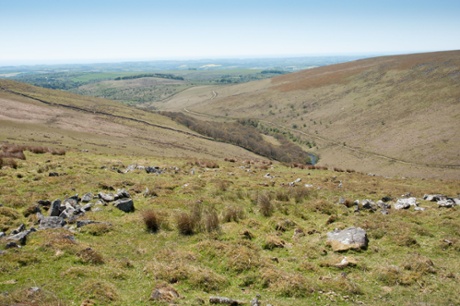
(151, 220)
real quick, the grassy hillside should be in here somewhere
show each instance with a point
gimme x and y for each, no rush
(60, 119)
(394, 115)
(221, 229)
(212, 220)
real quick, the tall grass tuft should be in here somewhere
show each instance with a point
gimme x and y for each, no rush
(265, 205)
(151, 220)
(185, 224)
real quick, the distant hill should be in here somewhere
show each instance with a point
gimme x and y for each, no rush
(45, 117)
(391, 115)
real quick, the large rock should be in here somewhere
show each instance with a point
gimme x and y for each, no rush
(55, 208)
(126, 205)
(405, 203)
(51, 222)
(350, 238)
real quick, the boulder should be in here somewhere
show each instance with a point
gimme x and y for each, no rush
(447, 202)
(405, 203)
(51, 222)
(126, 205)
(55, 208)
(350, 238)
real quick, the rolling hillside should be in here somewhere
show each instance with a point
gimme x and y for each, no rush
(393, 115)
(44, 117)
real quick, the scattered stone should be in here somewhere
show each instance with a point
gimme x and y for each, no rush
(269, 176)
(154, 170)
(87, 197)
(107, 197)
(350, 238)
(55, 208)
(53, 174)
(346, 262)
(369, 205)
(224, 300)
(2, 234)
(126, 205)
(130, 168)
(20, 237)
(164, 293)
(51, 222)
(255, 301)
(122, 193)
(81, 223)
(405, 203)
(434, 197)
(11, 245)
(447, 202)
(21, 228)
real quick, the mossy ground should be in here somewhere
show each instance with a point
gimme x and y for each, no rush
(413, 257)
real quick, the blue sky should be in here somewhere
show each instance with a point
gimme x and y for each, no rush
(61, 31)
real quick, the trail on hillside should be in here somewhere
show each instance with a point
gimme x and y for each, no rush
(81, 109)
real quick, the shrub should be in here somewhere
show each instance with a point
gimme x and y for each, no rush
(211, 221)
(185, 224)
(232, 213)
(151, 220)
(265, 205)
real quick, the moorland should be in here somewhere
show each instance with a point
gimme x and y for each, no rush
(107, 202)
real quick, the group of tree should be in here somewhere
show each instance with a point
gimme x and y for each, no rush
(246, 136)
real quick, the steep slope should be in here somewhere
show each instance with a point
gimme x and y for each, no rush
(34, 115)
(394, 115)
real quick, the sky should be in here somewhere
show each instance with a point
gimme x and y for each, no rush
(71, 31)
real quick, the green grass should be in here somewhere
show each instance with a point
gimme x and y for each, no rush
(121, 263)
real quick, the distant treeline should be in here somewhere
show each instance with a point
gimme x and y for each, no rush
(273, 71)
(150, 75)
(245, 135)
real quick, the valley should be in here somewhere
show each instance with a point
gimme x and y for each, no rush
(157, 202)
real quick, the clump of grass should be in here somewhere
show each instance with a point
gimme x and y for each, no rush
(242, 258)
(265, 205)
(9, 218)
(272, 242)
(90, 256)
(151, 220)
(324, 207)
(211, 221)
(232, 213)
(100, 291)
(185, 223)
(286, 284)
(96, 229)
